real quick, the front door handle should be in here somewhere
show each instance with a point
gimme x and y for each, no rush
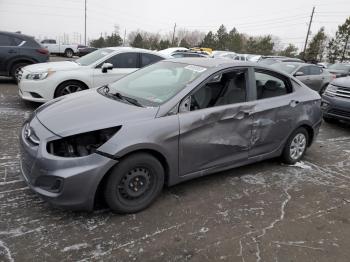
(294, 103)
(11, 51)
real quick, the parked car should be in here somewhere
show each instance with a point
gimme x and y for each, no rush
(180, 54)
(43, 82)
(269, 60)
(224, 54)
(324, 64)
(311, 75)
(340, 69)
(84, 50)
(336, 100)
(171, 50)
(59, 48)
(18, 50)
(164, 124)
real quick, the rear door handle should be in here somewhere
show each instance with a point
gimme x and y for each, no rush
(294, 103)
(11, 51)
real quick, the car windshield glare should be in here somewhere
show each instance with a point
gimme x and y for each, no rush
(93, 57)
(157, 83)
(284, 67)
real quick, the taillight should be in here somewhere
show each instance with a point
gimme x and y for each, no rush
(43, 51)
(334, 76)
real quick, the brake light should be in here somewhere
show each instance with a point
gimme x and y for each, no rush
(43, 51)
(334, 76)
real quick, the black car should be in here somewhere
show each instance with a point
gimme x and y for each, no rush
(84, 50)
(340, 69)
(18, 50)
(336, 100)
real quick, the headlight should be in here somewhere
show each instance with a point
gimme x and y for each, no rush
(331, 89)
(39, 76)
(81, 144)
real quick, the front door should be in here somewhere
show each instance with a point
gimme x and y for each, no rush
(123, 64)
(215, 130)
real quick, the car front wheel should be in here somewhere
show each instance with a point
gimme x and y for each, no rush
(295, 147)
(134, 183)
(69, 87)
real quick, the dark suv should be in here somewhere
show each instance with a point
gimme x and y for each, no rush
(18, 50)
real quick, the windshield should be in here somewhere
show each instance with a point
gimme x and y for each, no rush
(285, 67)
(157, 83)
(268, 61)
(340, 66)
(93, 57)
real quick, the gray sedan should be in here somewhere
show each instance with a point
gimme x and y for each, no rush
(313, 76)
(161, 125)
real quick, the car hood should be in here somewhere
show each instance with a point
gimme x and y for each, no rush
(53, 66)
(88, 111)
(343, 82)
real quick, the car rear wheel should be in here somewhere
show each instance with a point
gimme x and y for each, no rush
(296, 146)
(69, 87)
(134, 183)
(16, 71)
(68, 53)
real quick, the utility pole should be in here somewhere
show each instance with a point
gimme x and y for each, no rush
(124, 37)
(172, 42)
(308, 31)
(85, 24)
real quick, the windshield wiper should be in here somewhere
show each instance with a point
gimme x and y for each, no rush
(128, 99)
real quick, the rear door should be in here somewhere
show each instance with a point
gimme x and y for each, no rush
(216, 128)
(316, 78)
(8, 50)
(123, 64)
(273, 115)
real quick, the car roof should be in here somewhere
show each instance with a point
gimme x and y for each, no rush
(212, 62)
(122, 49)
(18, 35)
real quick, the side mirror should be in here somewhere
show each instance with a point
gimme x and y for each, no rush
(299, 74)
(106, 66)
(185, 105)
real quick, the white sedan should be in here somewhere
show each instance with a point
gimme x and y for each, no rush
(43, 82)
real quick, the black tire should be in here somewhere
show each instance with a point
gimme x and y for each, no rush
(330, 120)
(129, 188)
(68, 53)
(16, 69)
(287, 155)
(69, 87)
(323, 88)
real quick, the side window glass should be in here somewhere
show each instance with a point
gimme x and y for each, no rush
(124, 60)
(5, 41)
(269, 86)
(305, 70)
(147, 59)
(17, 41)
(315, 70)
(223, 89)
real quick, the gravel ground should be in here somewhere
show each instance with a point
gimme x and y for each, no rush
(262, 212)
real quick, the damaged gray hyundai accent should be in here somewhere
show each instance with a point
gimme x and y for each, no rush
(161, 125)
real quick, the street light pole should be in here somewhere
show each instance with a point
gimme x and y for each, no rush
(85, 25)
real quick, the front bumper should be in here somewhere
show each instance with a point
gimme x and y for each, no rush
(35, 90)
(79, 177)
(336, 107)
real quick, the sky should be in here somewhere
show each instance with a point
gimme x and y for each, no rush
(287, 20)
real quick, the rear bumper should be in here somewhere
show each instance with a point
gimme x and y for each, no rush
(336, 107)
